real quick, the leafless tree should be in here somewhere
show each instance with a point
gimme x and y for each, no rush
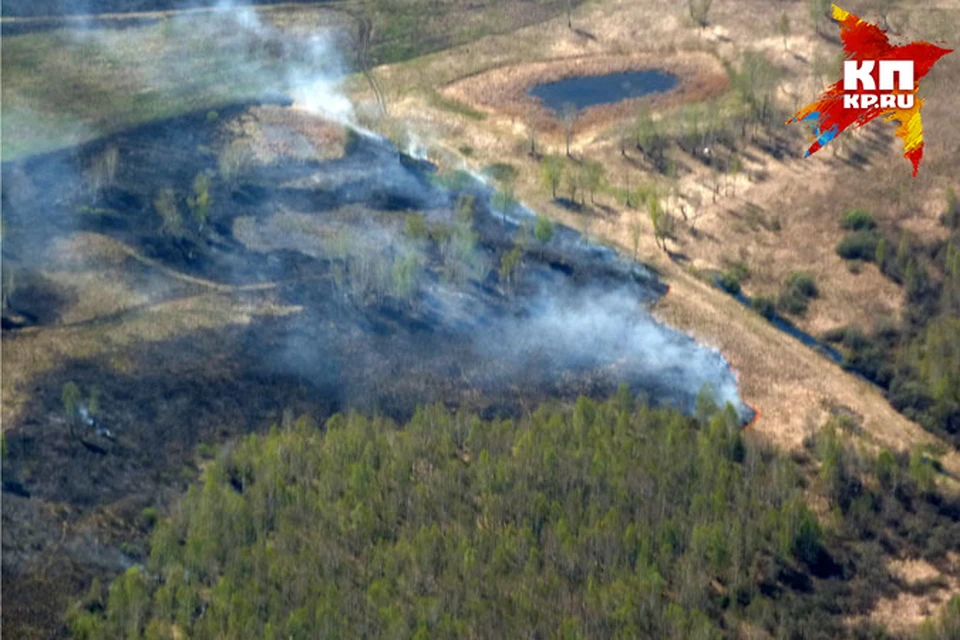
(569, 114)
(700, 11)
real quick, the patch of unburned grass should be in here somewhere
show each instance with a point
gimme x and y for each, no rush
(62, 87)
(453, 106)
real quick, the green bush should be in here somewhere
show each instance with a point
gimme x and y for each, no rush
(859, 245)
(729, 282)
(835, 335)
(946, 625)
(207, 451)
(764, 306)
(543, 230)
(501, 172)
(858, 220)
(803, 283)
(150, 517)
(789, 302)
(951, 214)
(415, 227)
(796, 293)
(730, 278)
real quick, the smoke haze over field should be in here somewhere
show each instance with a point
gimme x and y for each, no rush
(28, 8)
(98, 81)
(582, 328)
(597, 328)
(195, 260)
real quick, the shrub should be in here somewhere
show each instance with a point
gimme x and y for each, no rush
(764, 306)
(729, 282)
(415, 227)
(859, 245)
(200, 202)
(234, 160)
(951, 216)
(207, 451)
(740, 270)
(730, 278)
(790, 302)
(165, 204)
(72, 400)
(797, 291)
(921, 471)
(150, 517)
(887, 469)
(543, 230)
(803, 283)
(102, 171)
(837, 334)
(880, 255)
(501, 172)
(405, 276)
(858, 220)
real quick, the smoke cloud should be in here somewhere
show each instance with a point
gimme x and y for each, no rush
(428, 319)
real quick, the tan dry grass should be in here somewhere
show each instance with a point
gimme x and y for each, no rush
(274, 132)
(928, 590)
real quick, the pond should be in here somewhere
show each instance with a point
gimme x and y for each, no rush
(588, 91)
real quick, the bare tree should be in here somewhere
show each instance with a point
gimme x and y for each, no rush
(594, 175)
(733, 170)
(817, 9)
(662, 223)
(102, 171)
(783, 28)
(530, 119)
(551, 173)
(165, 204)
(645, 130)
(569, 114)
(700, 12)
(504, 200)
(677, 195)
(635, 230)
(543, 232)
(574, 176)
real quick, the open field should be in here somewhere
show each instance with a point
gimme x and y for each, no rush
(65, 85)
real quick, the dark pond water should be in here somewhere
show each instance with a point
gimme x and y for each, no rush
(587, 91)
